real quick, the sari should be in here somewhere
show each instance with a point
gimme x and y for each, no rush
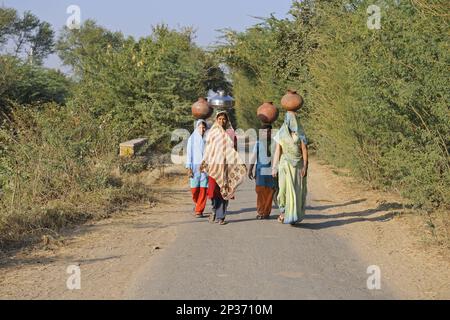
(292, 186)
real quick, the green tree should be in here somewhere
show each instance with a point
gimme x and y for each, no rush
(27, 84)
(141, 87)
(249, 56)
(31, 38)
(376, 100)
(83, 49)
(7, 18)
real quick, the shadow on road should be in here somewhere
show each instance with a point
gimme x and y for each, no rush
(359, 216)
(356, 216)
(41, 261)
(338, 223)
(365, 213)
(246, 210)
(89, 261)
(242, 211)
(272, 217)
(319, 208)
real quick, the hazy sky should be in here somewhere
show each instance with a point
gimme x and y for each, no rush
(135, 17)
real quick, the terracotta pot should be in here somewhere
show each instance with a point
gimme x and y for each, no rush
(201, 109)
(292, 101)
(267, 113)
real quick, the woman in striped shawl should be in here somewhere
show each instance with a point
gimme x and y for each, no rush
(225, 169)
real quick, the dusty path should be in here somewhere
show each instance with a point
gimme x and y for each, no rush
(251, 259)
(325, 257)
(108, 252)
(165, 253)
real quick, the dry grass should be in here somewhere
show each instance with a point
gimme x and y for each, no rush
(434, 228)
(55, 175)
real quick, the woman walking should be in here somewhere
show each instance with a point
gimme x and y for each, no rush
(225, 169)
(265, 183)
(291, 166)
(198, 180)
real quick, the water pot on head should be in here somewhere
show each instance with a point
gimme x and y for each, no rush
(267, 113)
(221, 101)
(201, 109)
(292, 101)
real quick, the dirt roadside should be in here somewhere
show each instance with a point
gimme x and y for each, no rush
(110, 252)
(385, 233)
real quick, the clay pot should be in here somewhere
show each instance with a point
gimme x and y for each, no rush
(201, 109)
(267, 113)
(292, 101)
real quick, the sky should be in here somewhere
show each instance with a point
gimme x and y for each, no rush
(135, 17)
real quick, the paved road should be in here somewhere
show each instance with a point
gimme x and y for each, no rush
(250, 259)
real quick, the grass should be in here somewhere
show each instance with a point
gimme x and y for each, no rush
(54, 176)
(23, 228)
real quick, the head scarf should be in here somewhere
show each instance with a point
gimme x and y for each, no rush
(290, 144)
(294, 125)
(195, 148)
(223, 112)
(198, 123)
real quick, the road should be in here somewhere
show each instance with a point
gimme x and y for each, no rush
(160, 251)
(253, 259)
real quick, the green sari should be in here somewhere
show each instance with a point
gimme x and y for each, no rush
(292, 186)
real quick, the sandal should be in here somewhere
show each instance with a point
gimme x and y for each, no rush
(259, 217)
(281, 219)
(212, 217)
(222, 222)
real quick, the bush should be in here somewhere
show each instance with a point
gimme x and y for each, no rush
(50, 160)
(143, 88)
(376, 100)
(27, 84)
(57, 161)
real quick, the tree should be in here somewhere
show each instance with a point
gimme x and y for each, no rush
(376, 100)
(250, 55)
(83, 48)
(141, 87)
(31, 38)
(27, 84)
(7, 19)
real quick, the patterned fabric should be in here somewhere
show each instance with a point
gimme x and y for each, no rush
(222, 162)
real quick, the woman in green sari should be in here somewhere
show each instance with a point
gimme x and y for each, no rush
(291, 166)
